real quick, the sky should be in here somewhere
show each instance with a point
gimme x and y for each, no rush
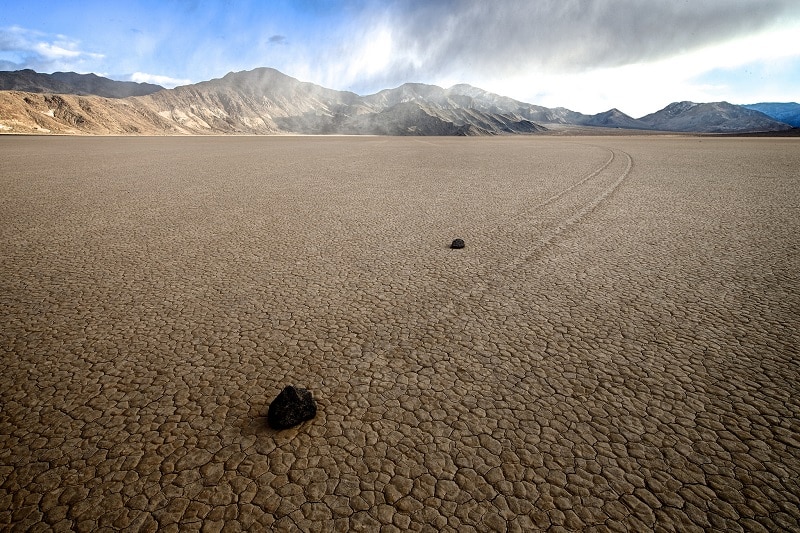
(587, 55)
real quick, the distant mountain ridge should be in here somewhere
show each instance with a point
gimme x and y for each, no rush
(266, 101)
(716, 117)
(788, 112)
(73, 83)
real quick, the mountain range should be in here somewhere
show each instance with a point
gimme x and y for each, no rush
(266, 101)
(72, 83)
(788, 113)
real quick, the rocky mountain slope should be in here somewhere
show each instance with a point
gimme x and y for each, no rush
(261, 101)
(22, 112)
(266, 101)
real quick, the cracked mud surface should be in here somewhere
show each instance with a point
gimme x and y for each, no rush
(616, 347)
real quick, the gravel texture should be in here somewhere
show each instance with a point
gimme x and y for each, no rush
(615, 349)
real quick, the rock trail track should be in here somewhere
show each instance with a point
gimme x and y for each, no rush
(616, 348)
(559, 212)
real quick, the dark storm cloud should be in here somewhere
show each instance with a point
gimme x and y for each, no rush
(503, 36)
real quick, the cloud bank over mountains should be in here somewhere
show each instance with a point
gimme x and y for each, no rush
(564, 52)
(583, 54)
(565, 35)
(165, 81)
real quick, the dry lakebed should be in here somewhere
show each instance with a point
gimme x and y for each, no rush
(614, 349)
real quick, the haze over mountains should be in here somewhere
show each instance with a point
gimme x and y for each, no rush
(265, 101)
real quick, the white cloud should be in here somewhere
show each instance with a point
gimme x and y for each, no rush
(372, 56)
(54, 51)
(46, 52)
(164, 81)
(641, 88)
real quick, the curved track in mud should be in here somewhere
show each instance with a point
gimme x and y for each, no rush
(531, 230)
(618, 176)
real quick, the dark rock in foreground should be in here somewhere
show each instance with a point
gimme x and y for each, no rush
(291, 407)
(457, 244)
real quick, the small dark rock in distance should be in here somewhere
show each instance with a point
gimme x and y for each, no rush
(457, 244)
(291, 407)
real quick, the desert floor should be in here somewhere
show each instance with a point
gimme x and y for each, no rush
(616, 347)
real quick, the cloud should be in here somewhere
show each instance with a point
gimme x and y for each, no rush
(557, 36)
(500, 37)
(164, 81)
(52, 51)
(589, 54)
(25, 48)
(702, 75)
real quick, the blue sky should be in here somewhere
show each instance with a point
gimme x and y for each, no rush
(587, 55)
